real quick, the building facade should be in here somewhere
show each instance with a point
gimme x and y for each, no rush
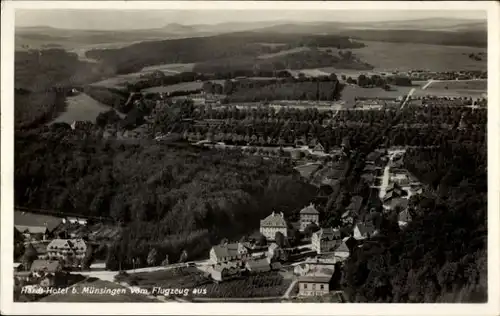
(70, 251)
(308, 215)
(325, 240)
(228, 252)
(272, 224)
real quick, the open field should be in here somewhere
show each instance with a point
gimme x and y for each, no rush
(174, 278)
(121, 294)
(184, 86)
(481, 85)
(401, 56)
(175, 68)
(285, 52)
(81, 107)
(271, 284)
(352, 91)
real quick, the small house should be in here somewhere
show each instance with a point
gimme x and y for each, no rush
(228, 252)
(258, 265)
(225, 271)
(325, 240)
(316, 282)
(404, 218)
(363, 231)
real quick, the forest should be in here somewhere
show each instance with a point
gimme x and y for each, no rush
(461, 38)
(161, 195)
(199, 49)
(441, 255)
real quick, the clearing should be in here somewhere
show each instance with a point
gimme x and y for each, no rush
(401, 56)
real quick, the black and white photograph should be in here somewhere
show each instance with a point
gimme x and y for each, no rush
(249, 154)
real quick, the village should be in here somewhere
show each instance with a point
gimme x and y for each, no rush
(61, 251)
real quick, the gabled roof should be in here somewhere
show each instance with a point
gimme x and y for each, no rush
(328, 234)
(274, 220)
(318, 274)
(228, 250)
(342, 248)
(49, 266)
(35, 223)
(404, 216)
(398, 202)
(259, 264)
(365, 229)
(226, 265)
(67, 244)
(374, 155)
(319, 147)
(310, 209)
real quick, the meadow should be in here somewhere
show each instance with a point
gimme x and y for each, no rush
(481, 85)
(184, 86)
(401, 56)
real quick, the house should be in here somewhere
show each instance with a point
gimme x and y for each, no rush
(36, 226)
(404, 218)
(308, 215)
(364, 231)
(258, 265)
(81, 125)
(393, 191)
(228, 252)
(318, 149)
(225, 271)
(342, 251)
(325, 240)
(272, 224)
(374, 158)
(70, 251)
(316, 282)
(43, 267)
(75, 220)
(396, 203)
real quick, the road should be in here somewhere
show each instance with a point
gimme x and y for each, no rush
(410, 93)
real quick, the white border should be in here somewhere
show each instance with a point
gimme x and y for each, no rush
(7, 167)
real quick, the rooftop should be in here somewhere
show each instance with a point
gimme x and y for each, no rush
(35, 223)
(274, 220)
(227, 250)
(49, 266)
(310, 209)
(328, 234)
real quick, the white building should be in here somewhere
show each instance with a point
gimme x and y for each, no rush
(325, 240)
(308, 215)
(272, 224)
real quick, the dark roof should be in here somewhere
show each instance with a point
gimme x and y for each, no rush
(374, 155)
(342, 248)
(259, 264)
(356, 202)
(365, 229)
(228, 250)
(49, 266)
(328, 234)
(404, 216)
(35, 222)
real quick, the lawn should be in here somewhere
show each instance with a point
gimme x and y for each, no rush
(120, 295)
(284, 52)
(184, 86)
(270, 284)
(173, 278)
(352, 91)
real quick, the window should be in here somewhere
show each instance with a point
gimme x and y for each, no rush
(322, 287)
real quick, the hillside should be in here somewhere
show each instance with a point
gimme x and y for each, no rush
(201, 49)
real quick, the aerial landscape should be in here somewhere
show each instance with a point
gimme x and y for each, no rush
(229, 159)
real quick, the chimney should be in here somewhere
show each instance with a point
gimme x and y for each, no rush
(281, 213)
(273, 213)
